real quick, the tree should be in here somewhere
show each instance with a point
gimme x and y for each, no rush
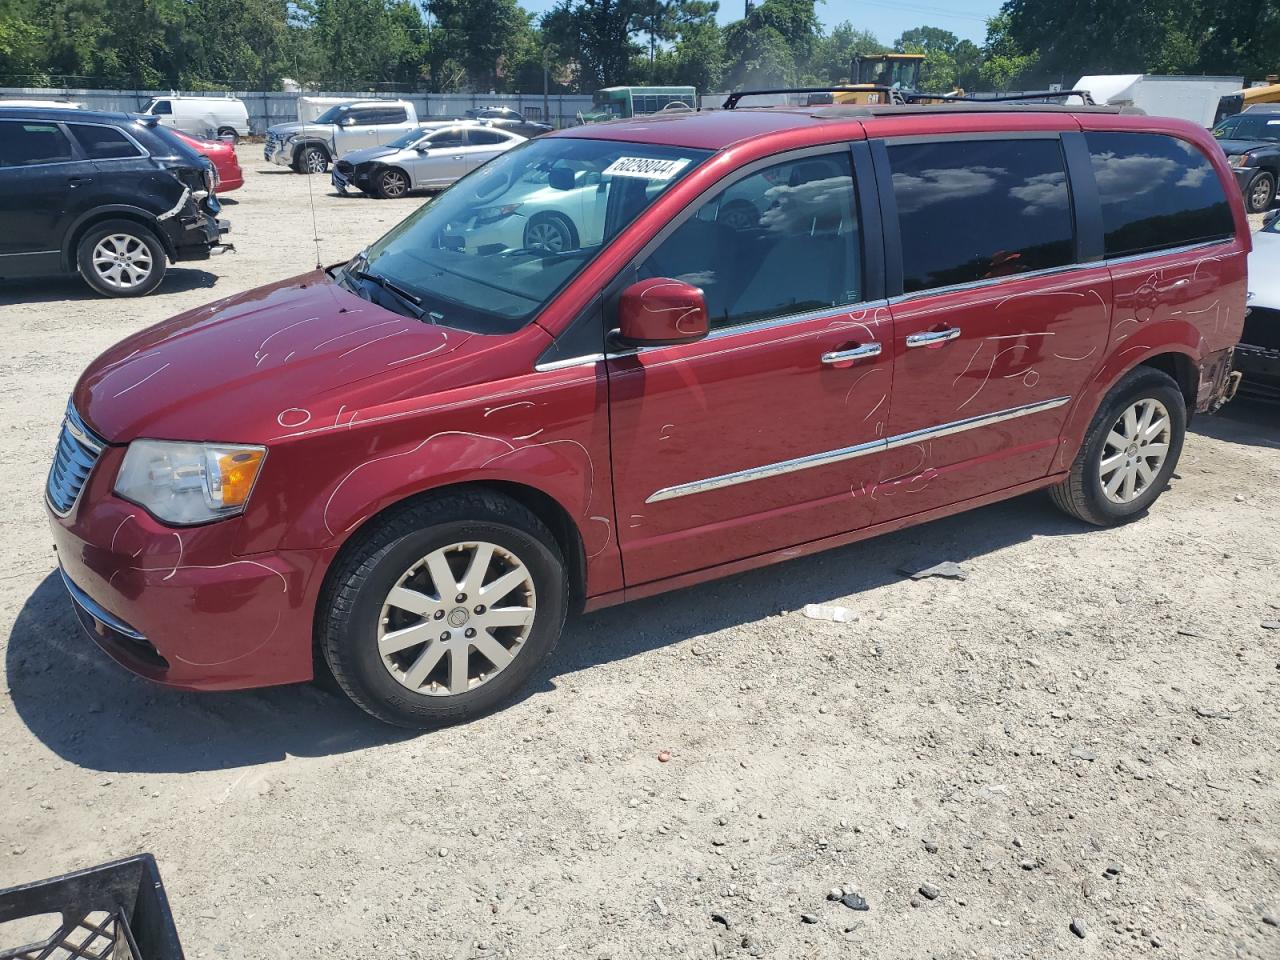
(484, 37)
(1078, 37)
(595, 35)
(833, 54)
(1004, 62)
(951, 63)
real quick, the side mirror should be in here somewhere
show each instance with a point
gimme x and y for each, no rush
(661, 312)
(562, 178)
(346, 121)
(423, 148)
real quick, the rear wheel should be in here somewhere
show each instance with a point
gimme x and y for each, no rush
(391, 183)
(1261, 192)
(443, 609)
(121, 258)
(1130, 451)
(313, 160)
(228, 133)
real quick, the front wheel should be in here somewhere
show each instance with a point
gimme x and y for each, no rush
(313, 160)
(1130, 451)
(391, 184)
(550, 233)
(121, 258)
(1261, 192)
(443, 609)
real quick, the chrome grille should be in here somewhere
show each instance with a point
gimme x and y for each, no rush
(77, 451)
(270, 147)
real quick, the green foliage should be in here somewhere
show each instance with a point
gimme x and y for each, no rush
(484, 45)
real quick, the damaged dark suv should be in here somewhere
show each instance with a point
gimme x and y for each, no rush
(112, 197)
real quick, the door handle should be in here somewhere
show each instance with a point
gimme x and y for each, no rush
(459, 156)
(854, 353)
(76, 181)
(932, 337)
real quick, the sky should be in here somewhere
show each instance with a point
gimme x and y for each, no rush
(885, 18)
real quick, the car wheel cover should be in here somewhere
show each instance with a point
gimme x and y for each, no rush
(314, 161)
(1260, 195)
(394, 183)
(456, 618)
(122, 261)
(549, 235)
(1135, 450)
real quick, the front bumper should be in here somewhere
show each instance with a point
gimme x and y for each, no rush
(178, 605)
(344, 175)
(278, 152)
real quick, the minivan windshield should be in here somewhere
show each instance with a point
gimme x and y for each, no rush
(492, 251)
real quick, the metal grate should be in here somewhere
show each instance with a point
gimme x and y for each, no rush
(77, 451)
(96, 936)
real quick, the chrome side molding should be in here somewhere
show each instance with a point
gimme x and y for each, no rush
(849, 453)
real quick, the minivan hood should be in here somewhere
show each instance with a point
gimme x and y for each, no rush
(247, 368)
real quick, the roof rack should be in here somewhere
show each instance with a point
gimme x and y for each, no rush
(1030, 98)
(855, 111)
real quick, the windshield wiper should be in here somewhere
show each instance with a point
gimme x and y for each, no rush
(411, 300)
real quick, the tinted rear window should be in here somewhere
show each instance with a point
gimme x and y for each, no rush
(980, 209)
(103, 143)
(1157, 193)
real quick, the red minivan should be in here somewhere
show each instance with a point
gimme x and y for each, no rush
(753, 334)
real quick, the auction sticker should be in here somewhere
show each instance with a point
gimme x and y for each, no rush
(645, 168)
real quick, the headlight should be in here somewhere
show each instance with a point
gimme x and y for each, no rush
(494, 214)
(1239, 159)
(184, 483)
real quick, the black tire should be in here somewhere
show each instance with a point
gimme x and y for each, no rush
(1082, 494)
(228, 133)
(133, 239)
(351, 604)
(391, 183)
(543, 227)
(311, 159)
(1261, 192)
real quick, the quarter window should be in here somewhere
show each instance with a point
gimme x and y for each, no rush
(781, 241)
(103, 143)
(974, 210)
(29, 144)
(1157, 193)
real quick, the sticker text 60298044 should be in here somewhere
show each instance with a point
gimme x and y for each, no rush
(646, 168)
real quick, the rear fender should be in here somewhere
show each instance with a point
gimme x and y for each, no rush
(1169, 337)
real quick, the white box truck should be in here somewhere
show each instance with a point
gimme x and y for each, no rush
(1187, 98)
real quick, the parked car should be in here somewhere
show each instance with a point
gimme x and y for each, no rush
(222, 154)
(110, 196)
(422, 159)
(1252, 144)
(504, 118)
(210, 117)
(416, 464)
(1258, 353)
(340, 130)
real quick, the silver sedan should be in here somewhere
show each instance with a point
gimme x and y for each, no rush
(431, 157)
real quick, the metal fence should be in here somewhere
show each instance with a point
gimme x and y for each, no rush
(267, 107)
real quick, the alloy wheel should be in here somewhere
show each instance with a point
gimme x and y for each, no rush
(394, 184)
(314, 161)
(456, 618)
(1260, 193)
(122, 261)
(1135, 450)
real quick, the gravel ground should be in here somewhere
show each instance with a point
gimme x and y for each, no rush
(1085, 731)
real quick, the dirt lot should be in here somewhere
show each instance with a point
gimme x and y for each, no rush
(1088, 727)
